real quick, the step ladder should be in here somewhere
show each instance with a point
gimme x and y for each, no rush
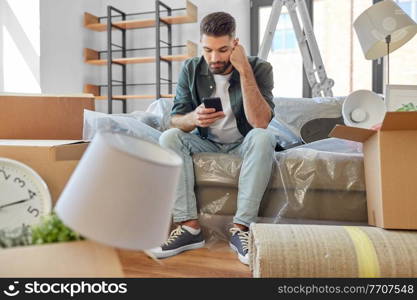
(320, 84)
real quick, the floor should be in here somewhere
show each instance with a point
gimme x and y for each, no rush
(217, 260)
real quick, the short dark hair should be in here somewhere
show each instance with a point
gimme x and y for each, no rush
(218, 24)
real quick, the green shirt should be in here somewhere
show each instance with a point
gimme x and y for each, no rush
(196, 82)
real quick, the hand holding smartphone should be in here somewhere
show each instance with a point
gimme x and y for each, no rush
(213, 102)
(204, 118)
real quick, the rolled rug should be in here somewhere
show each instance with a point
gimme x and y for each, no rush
(281, 250)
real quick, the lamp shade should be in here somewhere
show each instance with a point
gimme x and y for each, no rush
(377, 22)
(363, 109)
(122, 192)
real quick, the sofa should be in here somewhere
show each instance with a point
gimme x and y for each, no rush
(316, 183)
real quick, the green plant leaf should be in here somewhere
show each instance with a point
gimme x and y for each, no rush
(50, 230)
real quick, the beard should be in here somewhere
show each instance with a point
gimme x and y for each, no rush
(221, 68)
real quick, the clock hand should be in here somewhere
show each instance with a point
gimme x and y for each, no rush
(14, 203)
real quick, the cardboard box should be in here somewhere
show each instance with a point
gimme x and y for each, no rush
(53, 160)
(390, 157)
(43, 116)
(70, 259)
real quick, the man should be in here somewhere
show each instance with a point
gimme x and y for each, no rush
(244, 85)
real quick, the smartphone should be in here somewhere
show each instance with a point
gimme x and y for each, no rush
(213, 102)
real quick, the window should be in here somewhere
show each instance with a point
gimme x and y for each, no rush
(19, 46)
(340, 49)
(284, 56)
(284, 37)
(342, 56)
(410, 7)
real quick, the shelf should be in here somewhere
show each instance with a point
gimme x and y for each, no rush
(92, 57)
(95, 90)
(113, 57)
(126, 97)
(92, 22)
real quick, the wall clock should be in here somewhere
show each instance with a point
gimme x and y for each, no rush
(24, 196)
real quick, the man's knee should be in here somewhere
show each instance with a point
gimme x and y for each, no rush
(171, 137)
(261, 138)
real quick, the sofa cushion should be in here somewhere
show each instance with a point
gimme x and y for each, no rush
(136, 124)
(321, 181)
(331, 164)
(162, 108)
(295, 112)
(304, 167)
(285, 137)
(290, 113)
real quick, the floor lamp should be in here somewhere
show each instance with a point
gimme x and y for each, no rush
(383, 28)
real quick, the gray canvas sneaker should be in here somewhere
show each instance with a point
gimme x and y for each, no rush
(239, 243)
(179, 240)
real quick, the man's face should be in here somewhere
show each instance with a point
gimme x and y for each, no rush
(217, 51)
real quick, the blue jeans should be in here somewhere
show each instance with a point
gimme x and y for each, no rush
(257, 150)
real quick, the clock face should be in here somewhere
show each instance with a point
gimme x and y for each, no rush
(24, 196)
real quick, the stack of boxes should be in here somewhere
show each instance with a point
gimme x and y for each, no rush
(45, 133)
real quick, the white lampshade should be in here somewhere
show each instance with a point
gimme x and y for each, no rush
(377, 22)
(363, 109)
(122, 192)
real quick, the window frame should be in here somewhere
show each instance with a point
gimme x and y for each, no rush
(254, 33)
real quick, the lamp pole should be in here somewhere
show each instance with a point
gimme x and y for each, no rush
(388, 41)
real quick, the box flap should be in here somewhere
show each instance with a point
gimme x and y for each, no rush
(400, 120)
(69, 259)
(37, 143)
(351, 133)
(81, 95)
(72, 151)
(43, 116)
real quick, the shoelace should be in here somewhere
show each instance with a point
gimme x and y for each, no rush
(174, 234)
(243, 236)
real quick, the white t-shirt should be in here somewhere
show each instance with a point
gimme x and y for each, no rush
(225, 130)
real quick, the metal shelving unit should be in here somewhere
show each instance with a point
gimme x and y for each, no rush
(95, 57)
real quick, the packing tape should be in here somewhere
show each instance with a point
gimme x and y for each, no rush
(368, 265)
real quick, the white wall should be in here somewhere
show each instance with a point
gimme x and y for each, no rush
(63, 38)
(1, 46)
(19, 46)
